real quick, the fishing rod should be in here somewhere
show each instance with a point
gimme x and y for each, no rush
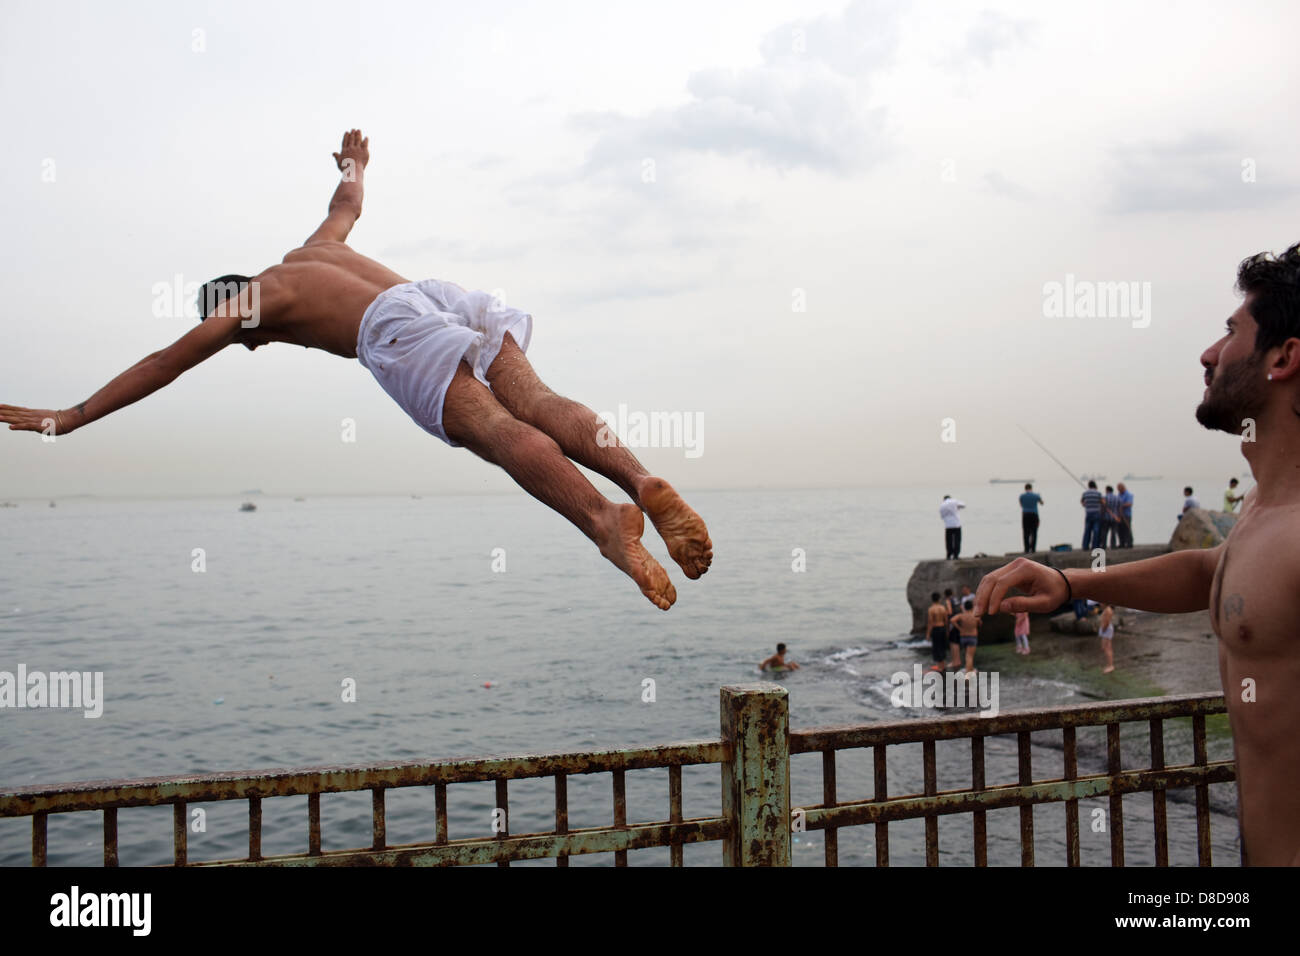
(1053, 457)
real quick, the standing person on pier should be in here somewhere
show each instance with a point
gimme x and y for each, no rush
(954, 629)
(1109, 519)
(954, 608)
(1029, 502)
(1091, 501)
(1125, 516)
(1106, 631)
(1230, 497)
(1022, 632)
(951, 526)
(936, 620)
(968, 630)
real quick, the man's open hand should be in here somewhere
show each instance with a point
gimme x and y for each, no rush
(33, 419)
(354, 148)
(1042, 587)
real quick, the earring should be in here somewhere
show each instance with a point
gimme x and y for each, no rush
(1270, 376)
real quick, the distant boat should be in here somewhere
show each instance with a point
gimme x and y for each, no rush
(248, 506)
(1093, 477)
(51, 504)
(7, 504)
(1011, 481)
(299, 499)
(1142, 478)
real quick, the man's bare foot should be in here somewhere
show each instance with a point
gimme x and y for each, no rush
(680, 527)
(620, 541)
(1107, 670)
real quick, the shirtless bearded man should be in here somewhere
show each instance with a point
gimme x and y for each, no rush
(454, 360)
(1249, 583)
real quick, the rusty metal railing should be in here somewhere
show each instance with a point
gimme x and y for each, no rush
(979, 798)
(755, 819)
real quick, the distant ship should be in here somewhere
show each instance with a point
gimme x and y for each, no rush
(1092, 477)
(248, 506)
(1142, 478)
(1011, 481)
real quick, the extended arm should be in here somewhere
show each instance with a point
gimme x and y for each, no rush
(143, 378)
(1174, 583)
(345, 205)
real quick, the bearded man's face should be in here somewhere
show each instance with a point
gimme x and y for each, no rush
(1236, 384)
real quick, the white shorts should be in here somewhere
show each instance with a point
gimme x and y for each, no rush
(413, 337)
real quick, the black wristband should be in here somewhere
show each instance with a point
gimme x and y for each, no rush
(1069, 590)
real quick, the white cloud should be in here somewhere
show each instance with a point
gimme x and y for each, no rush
(991, 34)
(1198, 172)
(995, 182)
(806, 105)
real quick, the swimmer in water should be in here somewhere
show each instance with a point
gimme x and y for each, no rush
(778, 662)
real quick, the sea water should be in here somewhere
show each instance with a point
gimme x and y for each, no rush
(364, 630)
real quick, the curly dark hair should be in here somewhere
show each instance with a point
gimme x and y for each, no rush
(1275, 282)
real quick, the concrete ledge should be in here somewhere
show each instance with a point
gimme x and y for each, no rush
(931, 576)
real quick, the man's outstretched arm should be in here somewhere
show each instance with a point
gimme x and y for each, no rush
(1173, 583)
(345, 206)
(143, 378)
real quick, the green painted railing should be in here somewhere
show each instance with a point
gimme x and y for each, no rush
(756, 818)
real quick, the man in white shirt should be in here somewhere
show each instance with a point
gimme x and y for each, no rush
(951, 526)
(1189, 501)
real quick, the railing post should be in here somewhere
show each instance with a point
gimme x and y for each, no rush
(756, 774)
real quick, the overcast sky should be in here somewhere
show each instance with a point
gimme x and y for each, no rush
(818, 228)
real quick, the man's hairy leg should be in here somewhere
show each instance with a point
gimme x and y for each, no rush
(575, 428)
(475, 419)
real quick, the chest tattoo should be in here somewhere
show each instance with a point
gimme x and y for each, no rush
(1234, 606)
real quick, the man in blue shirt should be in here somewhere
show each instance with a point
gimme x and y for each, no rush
(1091, 501)
(1029, 503)
(1125, 516)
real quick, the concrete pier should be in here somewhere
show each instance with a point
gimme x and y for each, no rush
(931, 576)
(1199, 528)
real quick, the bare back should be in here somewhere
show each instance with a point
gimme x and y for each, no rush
(317, 296)
(937, 616)
(1252, 603)
(968, 624)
